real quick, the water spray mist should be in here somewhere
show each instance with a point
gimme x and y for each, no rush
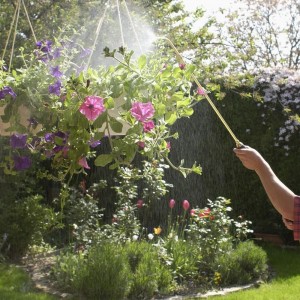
(181, 60)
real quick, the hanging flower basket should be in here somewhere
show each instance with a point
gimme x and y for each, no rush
(70, 109)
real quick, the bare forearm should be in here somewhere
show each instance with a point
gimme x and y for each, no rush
(280, 195)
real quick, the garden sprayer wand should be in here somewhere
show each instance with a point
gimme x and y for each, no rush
(180, 59)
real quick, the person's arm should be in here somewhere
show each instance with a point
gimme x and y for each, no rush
(280, 195)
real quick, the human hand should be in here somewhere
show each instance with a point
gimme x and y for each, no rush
(250, 158)
(288, 223)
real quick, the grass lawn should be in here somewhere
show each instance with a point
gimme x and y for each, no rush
(285, 285)
(16, 285)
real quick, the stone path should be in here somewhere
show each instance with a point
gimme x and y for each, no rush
(39, 269)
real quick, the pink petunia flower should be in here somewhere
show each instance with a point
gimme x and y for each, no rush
(142, 111)
(169, 146)
(201, 91)
(82, 162)
(185, 205)
(172, 203)
(141, 144)
(92, 107)
(148, 126)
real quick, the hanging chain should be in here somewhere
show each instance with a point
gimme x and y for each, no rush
(120, 23)
(14, 38)
(10, 30)
(97, 33)
(13, 24)
(133, 27)
(28, 19)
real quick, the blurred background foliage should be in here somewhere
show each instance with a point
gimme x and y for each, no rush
(225, 52)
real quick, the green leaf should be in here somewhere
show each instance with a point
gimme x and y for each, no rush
(142, 62)
(100, 120)
(171, 118)
(177, 96)
(183, 103)
(103, 159)
(187, 112)
(109, 103)
(7, 113)
(115, 125)
(160, 109)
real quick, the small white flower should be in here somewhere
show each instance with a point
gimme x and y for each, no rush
(135, 237)
(150, 236)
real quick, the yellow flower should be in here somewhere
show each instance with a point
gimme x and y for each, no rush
(157, 230)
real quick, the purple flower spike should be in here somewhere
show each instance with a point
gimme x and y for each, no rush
(6, 90)
(18, 141)
(55, 88)
(56, 53)
(54, 71)
(21, 163)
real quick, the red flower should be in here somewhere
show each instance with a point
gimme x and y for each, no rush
(139, 203)
(205, 213)
(185, 205)
(172, 203)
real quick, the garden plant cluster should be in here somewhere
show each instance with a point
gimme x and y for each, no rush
(72, 113)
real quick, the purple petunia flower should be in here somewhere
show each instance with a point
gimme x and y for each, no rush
(55, 88)
(18, 141)
(49, 138)
(94, 143)
(21, 163)
(54, 71)
(44, 46)
(6, 90)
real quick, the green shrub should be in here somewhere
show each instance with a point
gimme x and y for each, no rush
(24, 222)
(183, 258)
(244, 264)
(108, 274)
(149, 274)
(69, 270)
